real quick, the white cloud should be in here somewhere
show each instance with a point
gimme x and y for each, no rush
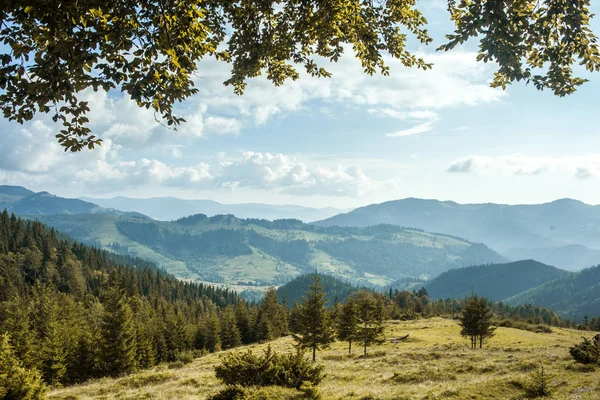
(582, 167)
(415, 130)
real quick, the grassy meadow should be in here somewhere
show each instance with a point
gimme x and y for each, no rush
(434, 363)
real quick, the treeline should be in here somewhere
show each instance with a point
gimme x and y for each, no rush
(407, 305)
(73, 312)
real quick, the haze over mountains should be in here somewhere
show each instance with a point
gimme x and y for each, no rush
(172, 208)
(564, 233)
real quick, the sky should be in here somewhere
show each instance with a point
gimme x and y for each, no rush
(346, 141)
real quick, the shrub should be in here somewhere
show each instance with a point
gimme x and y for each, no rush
(524, 326)
(585, 352)
(230, 393)
(288, 370)
(16, 382)
(539, 385)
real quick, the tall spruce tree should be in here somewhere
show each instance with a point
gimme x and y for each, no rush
(118, 335)
(370, 308)
(271, 321)
(230, 333)
(314, 325)
(347, 322)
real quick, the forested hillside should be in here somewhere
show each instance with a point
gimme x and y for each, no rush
(22, 201)
(252, 252)
(573, 296)
(295, 290)
(516, 231)
(74, 312)
(493, 281)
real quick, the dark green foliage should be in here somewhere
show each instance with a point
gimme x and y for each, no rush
(118, 335)
(271, 321)
(371, 315)
(510, 323)
(230, 393)
(313, 324)
(494, 281)
(76, 313)
(572, 296)
(295, 289)
(269, 369)
(347, 323)
(585, 352)
(16, 382)
(476, 321)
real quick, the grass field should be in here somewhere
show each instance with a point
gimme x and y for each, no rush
(434, 363)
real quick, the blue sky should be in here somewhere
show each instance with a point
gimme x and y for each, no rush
(342, 142)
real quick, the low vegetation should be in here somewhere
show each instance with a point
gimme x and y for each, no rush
(435, 362)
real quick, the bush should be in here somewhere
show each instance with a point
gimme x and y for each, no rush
(585, 352)
(16, 382)
(539, 385)
(524, 326)
(230, 393)
(289, 370)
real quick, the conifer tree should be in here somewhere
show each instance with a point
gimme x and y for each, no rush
(230, 334)
(475, 321)
(347, 322)
(212, 332)
(242, 319)
(118, 335)
(17, 382)
(272, 317)
(314, 325)
(371, 316)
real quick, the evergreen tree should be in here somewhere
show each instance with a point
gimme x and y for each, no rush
(118, 335)
(230, 334)
(212, 332)
(314, 325)
(347, 323)
(242, 319)
(17, 382)
(371, 316)
(272, 318)
(475, 321)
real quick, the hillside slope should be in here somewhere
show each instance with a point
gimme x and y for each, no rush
(528, 228)
(251, 252)
(494, 281)
(434, 363)
(572, 296)
(296, 289)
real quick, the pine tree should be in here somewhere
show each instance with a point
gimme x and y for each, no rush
(242, 319)
(230, 334)
(272, 318)
(314, 324)
(347, 323)
(371, 316)
(212, 332)
(475, 321)
(118, 335)
(17, 382)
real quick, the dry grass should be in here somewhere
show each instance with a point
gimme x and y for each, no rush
(434, 363)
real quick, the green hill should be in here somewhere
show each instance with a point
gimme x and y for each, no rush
(252, 252)
(297, 288)
(494, 281)
(572, 296)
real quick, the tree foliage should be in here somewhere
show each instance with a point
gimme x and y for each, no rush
(476, 321)
(17, 382)
(371, 314)
(314, 326)
(150, 49)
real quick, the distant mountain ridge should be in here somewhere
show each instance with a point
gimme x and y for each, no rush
(505, 228)
(172, 208)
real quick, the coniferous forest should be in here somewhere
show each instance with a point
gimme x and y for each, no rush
(73, 312)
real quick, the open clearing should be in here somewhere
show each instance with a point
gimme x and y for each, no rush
(434, 363)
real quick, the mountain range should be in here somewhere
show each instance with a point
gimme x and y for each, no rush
(172, 208)
(564, 233)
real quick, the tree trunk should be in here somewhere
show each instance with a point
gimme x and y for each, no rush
(365, 348)
(481, 341)
(349, 346)
(314, 353)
